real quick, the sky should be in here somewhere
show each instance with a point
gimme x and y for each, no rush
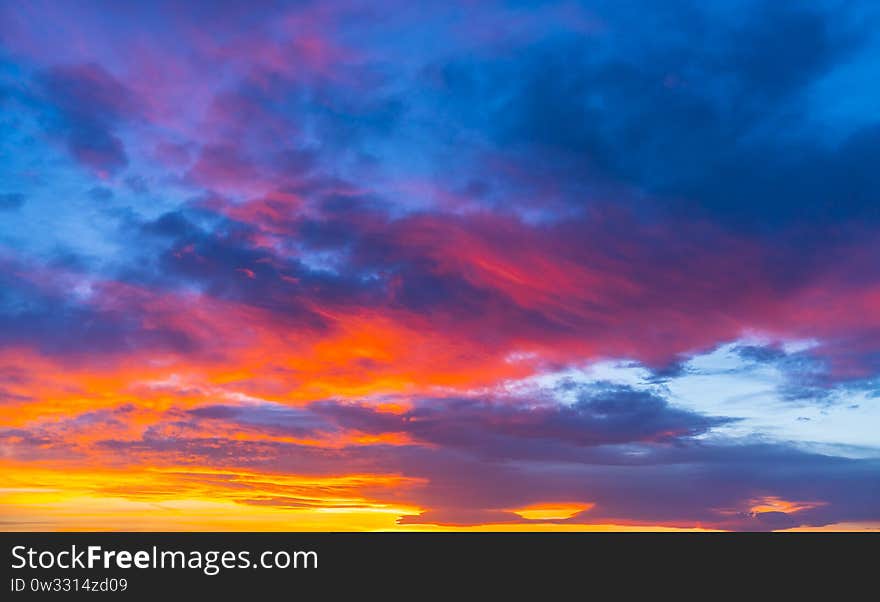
(451, 265)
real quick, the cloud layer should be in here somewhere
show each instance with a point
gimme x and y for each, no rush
(330, 259)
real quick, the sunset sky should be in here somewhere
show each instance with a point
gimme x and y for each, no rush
(370, 265)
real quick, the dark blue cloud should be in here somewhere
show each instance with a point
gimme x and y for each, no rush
(268, 418)
(86, 104)
(602, 415)
(223, 260)
(703, 109)
(12, 201)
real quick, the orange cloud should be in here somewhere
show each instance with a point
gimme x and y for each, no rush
(552, 511)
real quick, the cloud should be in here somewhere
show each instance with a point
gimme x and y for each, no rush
(290, 249)
(89, 102)
(12, 201)
(603, 415)
(37, 310)
(717, 130)
(624, 456)
(266, 418)
(100, 193)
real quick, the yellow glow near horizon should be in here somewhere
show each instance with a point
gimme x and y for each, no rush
(552, 511)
